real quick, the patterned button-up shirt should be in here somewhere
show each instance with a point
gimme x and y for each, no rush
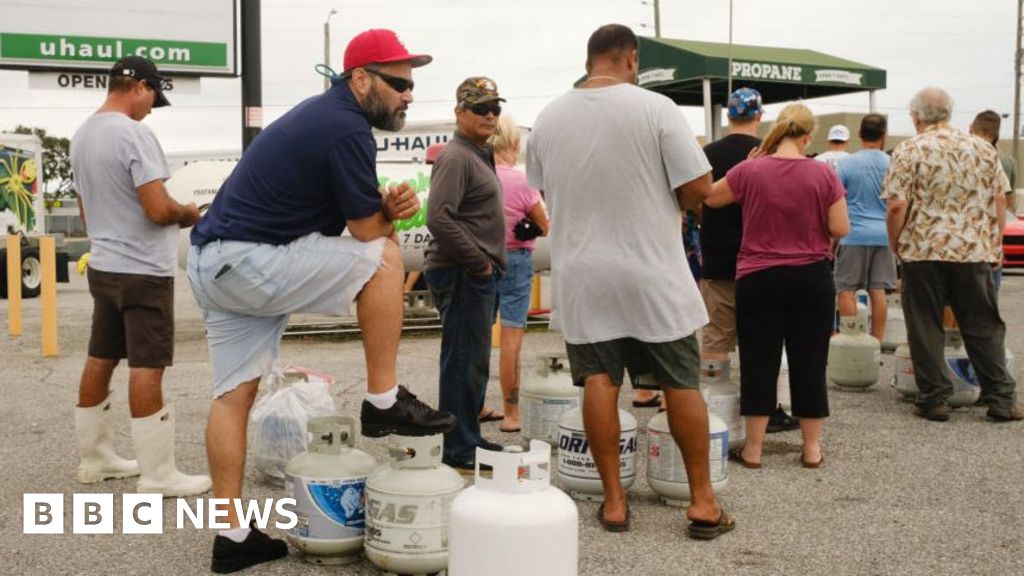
(950, 181)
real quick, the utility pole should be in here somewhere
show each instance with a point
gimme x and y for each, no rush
(728, 89)
(1016, 87)
(657, 19)
(327, 45)
(252, 80)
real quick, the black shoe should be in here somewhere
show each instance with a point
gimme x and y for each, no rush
(1011, 414)
(936, 412)
(230, 556)
(779, 421)
(492, 446)
(408, 417)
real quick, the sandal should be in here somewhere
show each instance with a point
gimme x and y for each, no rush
(613, 526)
(651, 402)
(704, 530)
(737, 455)
(812, 465)
(490, 415)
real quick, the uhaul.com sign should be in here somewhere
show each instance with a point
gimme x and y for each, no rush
(52, 49)
(144, 513)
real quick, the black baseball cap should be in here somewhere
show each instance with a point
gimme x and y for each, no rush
(143, 69)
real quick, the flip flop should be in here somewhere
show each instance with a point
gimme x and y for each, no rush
(620, 526)
(703, 530)
(491, 416)
(653, 402)
(510, 430)
(737, 455)
(812, 465)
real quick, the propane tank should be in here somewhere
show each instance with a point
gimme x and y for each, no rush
(577, 470)
(723, 398)
(783, 397)
(895, 325)
(512, 521)
(665, 471)
(545, 395)
(408, 503)
(956, 365)
(327, 483)
(853, 355)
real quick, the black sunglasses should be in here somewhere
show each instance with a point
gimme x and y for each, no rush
(483, 108)
(397, 83)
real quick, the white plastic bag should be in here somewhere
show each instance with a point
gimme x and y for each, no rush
(279, 417)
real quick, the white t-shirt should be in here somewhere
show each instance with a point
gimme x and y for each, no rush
(608, 161)
(832, 157)
(112, 155)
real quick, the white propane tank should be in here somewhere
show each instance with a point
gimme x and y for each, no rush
(723, 398)
(966, 389)
(853, 355)
(196, 182)
(665, 471)
(327, 483)
(783, 397)
(895, 324)
(544, 396)
(408, 503)
(512, 522)
(577, 470)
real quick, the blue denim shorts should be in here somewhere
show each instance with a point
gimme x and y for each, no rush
(246, 292)
(514, 288)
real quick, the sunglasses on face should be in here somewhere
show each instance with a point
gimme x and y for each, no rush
(397, 83)
(484, 108)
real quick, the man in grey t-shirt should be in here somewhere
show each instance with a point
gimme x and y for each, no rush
(617, 164)
(133, 226)
(464, 259)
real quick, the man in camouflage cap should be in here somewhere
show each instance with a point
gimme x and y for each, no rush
(464, 260)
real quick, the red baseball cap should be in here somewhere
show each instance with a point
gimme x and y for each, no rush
(380, 46)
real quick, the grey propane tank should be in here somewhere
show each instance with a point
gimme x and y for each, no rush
(853, 355)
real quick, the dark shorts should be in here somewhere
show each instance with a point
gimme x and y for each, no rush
(133, 318)
(674, 364)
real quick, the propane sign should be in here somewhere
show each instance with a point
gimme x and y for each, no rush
(194, 37)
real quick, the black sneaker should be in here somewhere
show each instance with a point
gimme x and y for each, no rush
(492, 446)
(779, 421)
(408, 417)
(936, 412)
(230, 556)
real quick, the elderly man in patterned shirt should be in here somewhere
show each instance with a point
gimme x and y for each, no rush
(946, 199)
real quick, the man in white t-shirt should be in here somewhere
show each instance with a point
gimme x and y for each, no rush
(838, 139)
(617, 163)
(133, 231)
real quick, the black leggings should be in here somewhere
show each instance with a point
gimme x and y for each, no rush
(794, 305)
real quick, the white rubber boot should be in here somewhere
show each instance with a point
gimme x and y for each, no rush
(98, 462)
(153, 438)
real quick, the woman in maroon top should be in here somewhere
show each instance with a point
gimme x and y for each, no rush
(793, 208)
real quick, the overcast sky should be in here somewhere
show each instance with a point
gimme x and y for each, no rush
(535, 49)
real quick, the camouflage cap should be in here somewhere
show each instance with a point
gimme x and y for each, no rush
(477, 89)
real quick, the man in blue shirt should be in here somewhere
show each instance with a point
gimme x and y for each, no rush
(865, 260)
(271, 245)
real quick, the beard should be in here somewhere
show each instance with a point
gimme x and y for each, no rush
(380, 116)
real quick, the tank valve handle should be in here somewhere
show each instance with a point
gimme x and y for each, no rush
(555, 365)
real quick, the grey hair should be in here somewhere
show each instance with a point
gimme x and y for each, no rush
(932, 105)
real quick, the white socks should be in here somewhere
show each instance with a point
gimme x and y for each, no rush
(236, 534)
(385, 400)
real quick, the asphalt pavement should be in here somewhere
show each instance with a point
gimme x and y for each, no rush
(897, 494)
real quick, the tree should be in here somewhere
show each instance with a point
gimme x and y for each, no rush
(57, 177)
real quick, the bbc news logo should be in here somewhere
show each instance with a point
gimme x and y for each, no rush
(144, 513)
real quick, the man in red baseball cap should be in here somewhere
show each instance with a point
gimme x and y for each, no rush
(271, 245)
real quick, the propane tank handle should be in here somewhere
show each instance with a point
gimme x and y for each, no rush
(515, 472)
(400, 454)
(330, 432)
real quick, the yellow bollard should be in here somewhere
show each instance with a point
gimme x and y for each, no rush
(496, 332)
(535, 293)
(14, 285)
(48, 293)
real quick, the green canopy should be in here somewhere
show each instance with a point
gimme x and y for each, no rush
(678, 69)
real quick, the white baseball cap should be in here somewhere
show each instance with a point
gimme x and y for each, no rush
(839, 133)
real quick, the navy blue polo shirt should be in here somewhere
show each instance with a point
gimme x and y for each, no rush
(309, 171)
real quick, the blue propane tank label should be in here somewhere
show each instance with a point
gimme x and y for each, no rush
(328, 509)
(575, 460)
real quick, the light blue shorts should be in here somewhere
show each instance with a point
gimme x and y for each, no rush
(247, 290)
(514, 288)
